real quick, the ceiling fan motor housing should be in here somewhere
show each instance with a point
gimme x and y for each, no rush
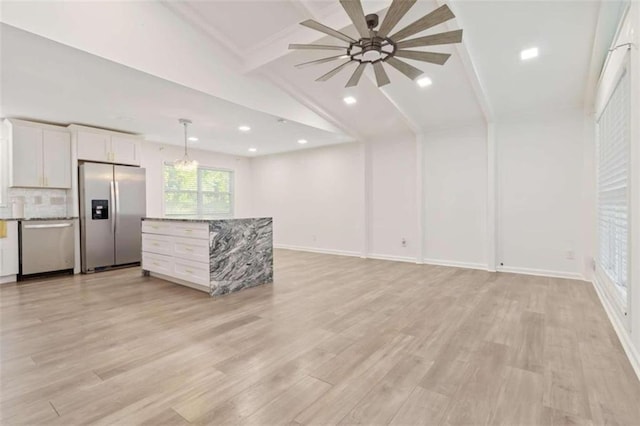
(372, 20)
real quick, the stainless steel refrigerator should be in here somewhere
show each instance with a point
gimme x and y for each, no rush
(112, 202)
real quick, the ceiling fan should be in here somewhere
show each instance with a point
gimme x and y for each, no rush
(376, 47)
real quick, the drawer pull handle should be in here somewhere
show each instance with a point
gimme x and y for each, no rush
(188, 249)
(154, 227)
(189, 271)
(156, 263)
(156, 244)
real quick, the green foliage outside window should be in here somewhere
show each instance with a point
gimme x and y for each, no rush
(204, 192)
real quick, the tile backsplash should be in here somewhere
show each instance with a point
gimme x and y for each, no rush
(39, 202)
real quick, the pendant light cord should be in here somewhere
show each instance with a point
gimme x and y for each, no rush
(185, 138)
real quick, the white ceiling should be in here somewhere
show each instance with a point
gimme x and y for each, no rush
(563, 31)
(237, 50)
(49, 81)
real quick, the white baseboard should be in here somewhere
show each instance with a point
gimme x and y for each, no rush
(318, 250)
(621, 331)
(542, 273)
(438, 262)
(8, 279)
(455, 264)
(391, 258)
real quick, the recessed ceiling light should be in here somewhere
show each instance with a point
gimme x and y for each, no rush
(302, 141)
(244, 128)
(529, 53)
(350, 100)
(253, 149)
(424, 82)
(193, 139)
(282, 121)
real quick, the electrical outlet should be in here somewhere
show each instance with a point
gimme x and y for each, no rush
(313, 238)
(404, 242)
(569, 255)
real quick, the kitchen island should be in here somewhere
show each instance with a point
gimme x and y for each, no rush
(218, 256)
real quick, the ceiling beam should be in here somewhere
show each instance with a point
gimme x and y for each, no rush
(473, 76)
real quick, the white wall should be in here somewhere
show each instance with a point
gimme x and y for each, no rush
(155, 154)
(455, 197)
(316, 197)
(539, 193)
(392, 203)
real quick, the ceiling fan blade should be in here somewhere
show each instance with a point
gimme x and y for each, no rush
(381, 75)
(355, 77)
(316, 47)
(355, 12)
(310, 23)
(438, 16)
(395, 13)
(333, 72)
(405, 68)
(432, 40)
(434, 58)
(321, 61)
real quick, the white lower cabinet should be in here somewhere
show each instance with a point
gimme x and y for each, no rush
(187, 270)
(9, 253)
(157, 263)
(179, 251)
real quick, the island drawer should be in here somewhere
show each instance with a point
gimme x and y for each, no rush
(157, 263)
(190, 230)
(192, 271)
(156, 227)
(157, 244)
(191, 249)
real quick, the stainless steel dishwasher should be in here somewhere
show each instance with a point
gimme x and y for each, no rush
(46, 246)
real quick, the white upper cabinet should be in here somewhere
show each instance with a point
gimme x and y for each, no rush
(56, 158)
(126, 150)
(107, 147)
(26, 158)
(40, 155)
(94, 146)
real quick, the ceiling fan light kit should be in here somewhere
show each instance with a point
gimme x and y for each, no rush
(376, 47)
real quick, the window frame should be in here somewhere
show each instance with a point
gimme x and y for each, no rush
(621, 304)
(199, 192)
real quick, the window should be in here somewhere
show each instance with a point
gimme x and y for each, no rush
(204, 192)
(613, 156)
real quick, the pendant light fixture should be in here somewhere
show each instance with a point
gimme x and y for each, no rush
(185, 163)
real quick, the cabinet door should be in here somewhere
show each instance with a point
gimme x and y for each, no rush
(9, 250)
(125, 150)
(93, 146)
(26, 148)
(57, 159)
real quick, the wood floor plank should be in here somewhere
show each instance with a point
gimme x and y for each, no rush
(333, 340)
(520, 399)
(422, 407)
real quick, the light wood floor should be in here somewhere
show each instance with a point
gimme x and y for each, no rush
(335, 340)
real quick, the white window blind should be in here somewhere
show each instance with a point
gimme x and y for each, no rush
(613, 155)
(204, 192)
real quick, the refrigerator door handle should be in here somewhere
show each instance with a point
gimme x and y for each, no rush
(113, 206)
(117, 213)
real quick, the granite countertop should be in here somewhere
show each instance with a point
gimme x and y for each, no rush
(39, 218)
(199, 220)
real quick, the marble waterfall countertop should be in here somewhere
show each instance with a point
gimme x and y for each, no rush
(198, 219)
(240, 250)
